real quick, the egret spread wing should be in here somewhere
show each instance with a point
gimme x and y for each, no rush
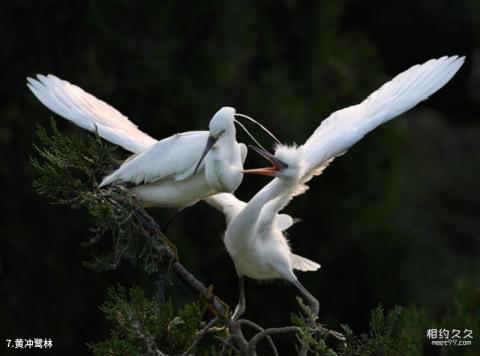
(174, 158)
(345, 127)
(88, 112)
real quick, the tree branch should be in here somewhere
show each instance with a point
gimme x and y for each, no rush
(217, 307)
(259, 328)
(214, 304)
(267, 332)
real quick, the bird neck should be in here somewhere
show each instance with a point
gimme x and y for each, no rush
(243, 229)
(272, 190)
(230, 133)
(224, 163)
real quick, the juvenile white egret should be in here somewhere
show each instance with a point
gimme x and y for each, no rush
(254, 237)
(168, 173)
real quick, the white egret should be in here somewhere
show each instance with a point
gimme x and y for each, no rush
(175, 173)
(253, 236)
(168, 173)
(255, 240)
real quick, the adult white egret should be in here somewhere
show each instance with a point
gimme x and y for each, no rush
(168, 173)
(173, 172)
(253, 236)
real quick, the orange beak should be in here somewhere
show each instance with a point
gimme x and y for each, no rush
(267, 171)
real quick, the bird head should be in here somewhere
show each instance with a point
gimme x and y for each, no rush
(221, 122)
(286, 162)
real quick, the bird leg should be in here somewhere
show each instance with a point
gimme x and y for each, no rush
(240, 308)
(311, 300)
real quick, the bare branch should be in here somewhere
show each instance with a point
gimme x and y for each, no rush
(259, 328)
(267, 332)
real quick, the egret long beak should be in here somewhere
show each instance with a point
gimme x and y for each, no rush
(210, 142)
(277, 165)
(267, 171)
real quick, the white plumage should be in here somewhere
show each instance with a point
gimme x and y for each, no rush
(146, 167)
(231, 206)
(162, 172)
(345, 127)
(254, 237)
(88, 112)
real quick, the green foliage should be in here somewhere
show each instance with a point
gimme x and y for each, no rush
(69, 169)
(400, 331)
(313, 340)
(70, 166)
(464, 311)
(385, 337)
(460, 313)
(141, 326)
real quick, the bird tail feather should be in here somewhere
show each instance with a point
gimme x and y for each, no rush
(303, 264)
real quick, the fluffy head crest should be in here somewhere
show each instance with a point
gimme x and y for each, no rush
(293, 157)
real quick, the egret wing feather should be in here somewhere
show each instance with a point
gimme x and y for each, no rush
(227, 203)
(284, 221)
(303, 264)
(88, 112)
(174, 157)
(345, 127)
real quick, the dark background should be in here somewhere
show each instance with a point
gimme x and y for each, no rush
(396, 220)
